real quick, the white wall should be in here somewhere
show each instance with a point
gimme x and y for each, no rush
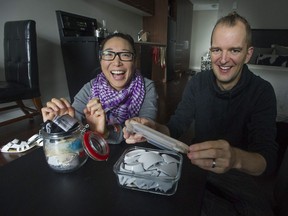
(51, 67)
(278, 77)
(265, 14)
(202, 25)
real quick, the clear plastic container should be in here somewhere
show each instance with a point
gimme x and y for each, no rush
(149, 170)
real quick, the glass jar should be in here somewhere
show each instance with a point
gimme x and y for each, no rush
(64, 151)
(68, 151)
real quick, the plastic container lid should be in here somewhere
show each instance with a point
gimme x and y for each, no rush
(156, 138)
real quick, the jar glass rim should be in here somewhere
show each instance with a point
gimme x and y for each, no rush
(60, 134)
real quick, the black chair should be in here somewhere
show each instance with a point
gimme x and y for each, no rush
(21, 70)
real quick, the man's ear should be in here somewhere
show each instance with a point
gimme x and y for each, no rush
(249, 54)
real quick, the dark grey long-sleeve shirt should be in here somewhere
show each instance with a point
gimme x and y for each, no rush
(245, 116)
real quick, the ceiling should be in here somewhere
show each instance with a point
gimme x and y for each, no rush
(204, 1)
(205, 4)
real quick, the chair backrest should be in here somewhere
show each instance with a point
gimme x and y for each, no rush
(20, 54)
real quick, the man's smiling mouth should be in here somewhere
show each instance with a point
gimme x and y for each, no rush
(224, 67)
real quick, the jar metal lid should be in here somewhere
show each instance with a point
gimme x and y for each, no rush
(95, 146)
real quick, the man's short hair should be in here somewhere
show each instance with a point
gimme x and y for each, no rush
(231, 20)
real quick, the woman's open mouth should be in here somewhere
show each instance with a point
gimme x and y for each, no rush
(118, 75)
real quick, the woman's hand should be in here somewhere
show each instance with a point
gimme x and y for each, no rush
(95, 116)
(57, 107)
(131, 137)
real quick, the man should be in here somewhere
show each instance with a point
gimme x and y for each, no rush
(234, 113)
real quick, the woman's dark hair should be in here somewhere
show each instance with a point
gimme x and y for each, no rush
(126, 37)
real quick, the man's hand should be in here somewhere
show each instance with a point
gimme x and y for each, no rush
(219, 157)
(218, 152)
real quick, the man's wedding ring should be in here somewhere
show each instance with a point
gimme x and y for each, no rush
(213, 163)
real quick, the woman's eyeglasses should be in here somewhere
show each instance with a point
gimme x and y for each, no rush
(110, 55)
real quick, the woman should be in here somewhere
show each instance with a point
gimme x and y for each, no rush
(118, 93)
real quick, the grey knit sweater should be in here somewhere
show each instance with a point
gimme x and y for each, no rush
(148, 110)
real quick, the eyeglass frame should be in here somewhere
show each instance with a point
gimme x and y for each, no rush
(116, 54)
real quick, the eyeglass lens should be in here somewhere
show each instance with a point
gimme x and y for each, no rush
(110, 55)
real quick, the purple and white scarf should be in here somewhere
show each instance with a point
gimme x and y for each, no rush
(119, 105)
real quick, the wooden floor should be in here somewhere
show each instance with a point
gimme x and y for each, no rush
(169, 96)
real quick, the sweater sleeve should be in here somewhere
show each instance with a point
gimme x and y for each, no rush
(81, 99)
(149, 107)
(183, 117)
(263, 130)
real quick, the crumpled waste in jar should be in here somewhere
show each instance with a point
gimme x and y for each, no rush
(63, 143)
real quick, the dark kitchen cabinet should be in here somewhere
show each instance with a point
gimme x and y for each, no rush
(143, 5)
(183, 34)
(148, 62)
(144, 59)
(172, 25)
